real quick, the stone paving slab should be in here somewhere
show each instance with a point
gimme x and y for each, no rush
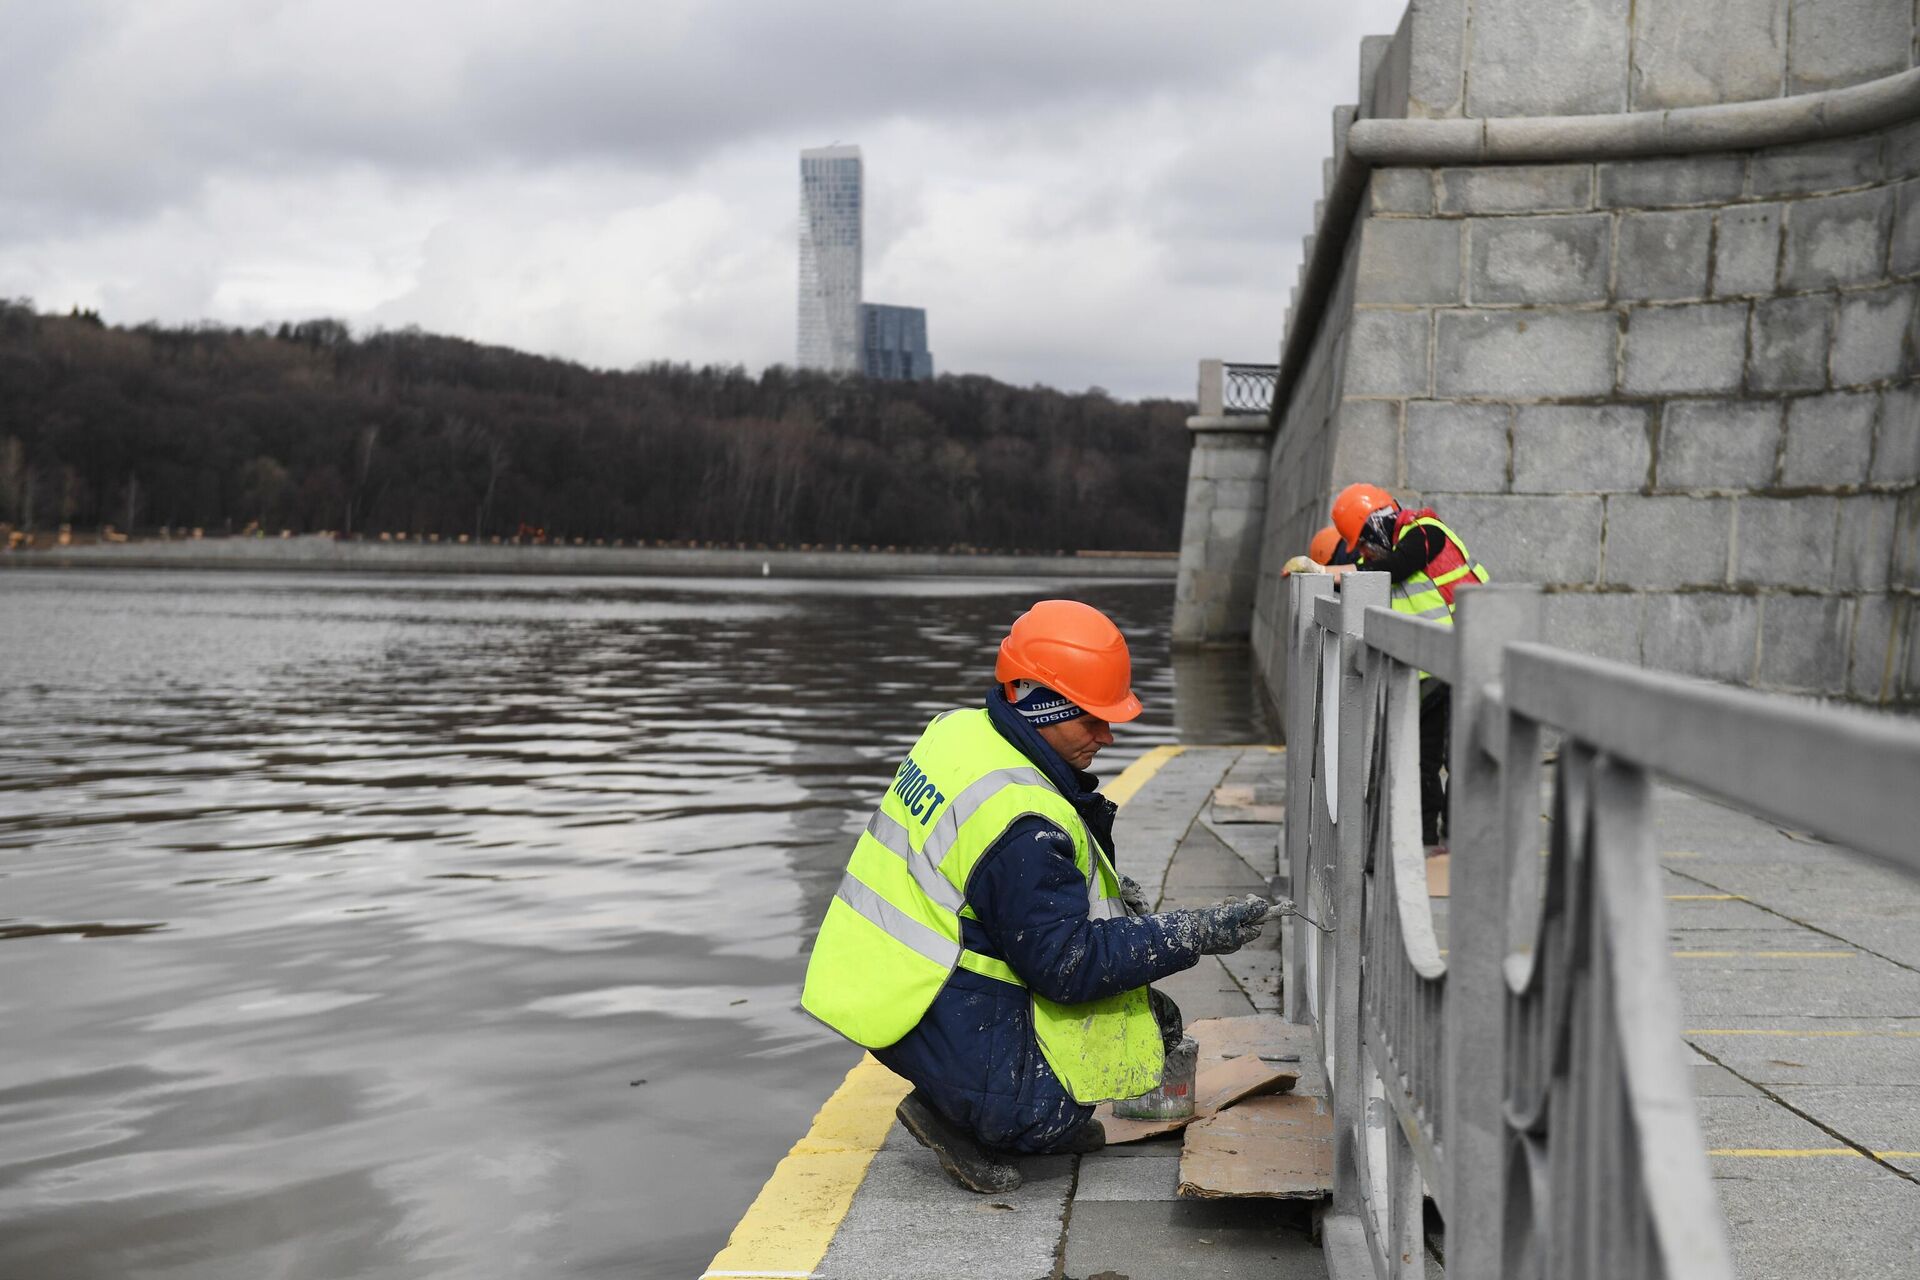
(1169, 1239)
(1207, 990)
(1156, 1177)
(1817, 1061)
(1854, 1220)
(908, 1222)
(1257, 843)
(1885, 1119)
(1206, 871)
(1755, 1122)
(1768, 934)
(1711, 991)
(1155, 820)
(1256, 970)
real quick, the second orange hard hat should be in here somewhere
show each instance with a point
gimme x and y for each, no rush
(1325, 543)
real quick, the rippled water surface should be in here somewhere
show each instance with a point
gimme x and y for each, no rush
(383, 927)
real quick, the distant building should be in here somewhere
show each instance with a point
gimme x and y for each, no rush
(838, 332)
(830, 217)
(893, 342)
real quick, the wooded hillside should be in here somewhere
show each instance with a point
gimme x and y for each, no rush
(311, 429)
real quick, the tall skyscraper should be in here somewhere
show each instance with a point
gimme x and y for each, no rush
(838, 332)
(830, 216)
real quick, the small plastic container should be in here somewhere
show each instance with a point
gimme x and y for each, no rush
(1173, 1100)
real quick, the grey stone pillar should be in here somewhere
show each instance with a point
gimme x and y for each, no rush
(1220, 539)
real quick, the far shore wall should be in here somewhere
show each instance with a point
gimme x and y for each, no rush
(319, 554)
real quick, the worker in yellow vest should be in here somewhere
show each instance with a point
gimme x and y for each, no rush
(1427, 564)
(982, 944)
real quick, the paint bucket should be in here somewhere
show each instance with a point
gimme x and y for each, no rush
(1173, 1100)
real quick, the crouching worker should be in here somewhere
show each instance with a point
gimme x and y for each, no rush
(981, 943)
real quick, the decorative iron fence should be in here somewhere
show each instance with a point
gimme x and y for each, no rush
(1527, 1074)
(1248, 387)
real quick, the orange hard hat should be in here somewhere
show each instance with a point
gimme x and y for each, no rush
(1324, 544)
(1355, 503)
(1076, 651)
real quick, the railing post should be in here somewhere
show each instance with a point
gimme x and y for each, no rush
(1359, 592)
(1211, 400)
(1486, 620)
(1303, 680)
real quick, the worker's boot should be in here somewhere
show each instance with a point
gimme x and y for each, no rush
(1083, 1139)
(963, 1159)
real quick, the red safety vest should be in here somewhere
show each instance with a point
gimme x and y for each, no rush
(1443, 569)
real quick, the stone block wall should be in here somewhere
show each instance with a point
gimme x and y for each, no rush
(1682, 392)
(1576, 57)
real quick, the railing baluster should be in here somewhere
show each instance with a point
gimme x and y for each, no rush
(1301, 734)
(1487, 619)
(1358, 593)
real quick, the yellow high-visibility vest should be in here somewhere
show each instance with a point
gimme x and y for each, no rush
(891, 937)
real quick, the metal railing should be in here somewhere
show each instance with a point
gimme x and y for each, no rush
(1231, 390)
(1526, 1074)
(1249, 388)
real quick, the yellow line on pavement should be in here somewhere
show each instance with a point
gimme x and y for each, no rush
(788, 1227)
(1767, 955)
(1787, 1032)
(1807, 1153)
(1138, 774)
(791, 1222)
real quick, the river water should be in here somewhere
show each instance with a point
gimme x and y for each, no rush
(406, 927)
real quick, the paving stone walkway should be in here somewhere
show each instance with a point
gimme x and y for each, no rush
(1799, 970)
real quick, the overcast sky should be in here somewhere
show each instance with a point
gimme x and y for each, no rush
(1079, 194)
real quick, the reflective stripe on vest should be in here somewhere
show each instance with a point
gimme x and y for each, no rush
(891, 936)
(1419, 594)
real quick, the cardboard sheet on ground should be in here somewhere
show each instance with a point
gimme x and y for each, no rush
(1216, 1087)
(1279, 1041)
(1273, 1148)
(1439, 876)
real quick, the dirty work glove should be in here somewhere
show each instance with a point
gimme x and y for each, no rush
(1223, 927)
(1134, 897)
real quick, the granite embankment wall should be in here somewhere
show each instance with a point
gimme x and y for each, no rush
(1656, 352)
(329, 555)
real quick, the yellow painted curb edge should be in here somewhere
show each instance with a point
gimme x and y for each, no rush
(1138, 774)
(785, 1232)
(787, 1228)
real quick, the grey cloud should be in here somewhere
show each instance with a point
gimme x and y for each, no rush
(522, 173)
(110, 119)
